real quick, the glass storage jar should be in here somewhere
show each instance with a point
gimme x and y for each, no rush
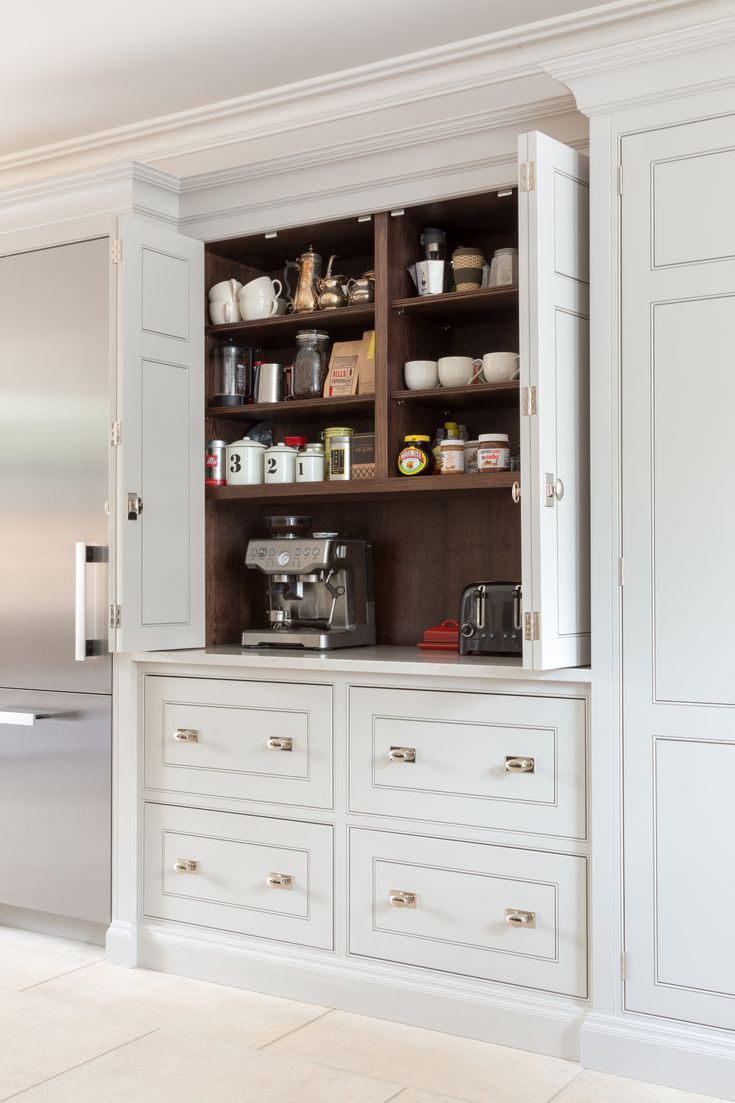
(310, 366)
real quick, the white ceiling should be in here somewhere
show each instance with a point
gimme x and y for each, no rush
(74, 68)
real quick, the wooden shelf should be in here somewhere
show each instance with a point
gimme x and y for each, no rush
(307, 411)
(478, 395)
(428, 487)
(281, 331)
(467, 305)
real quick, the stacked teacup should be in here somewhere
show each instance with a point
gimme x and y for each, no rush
(223, 305)
(259, 299)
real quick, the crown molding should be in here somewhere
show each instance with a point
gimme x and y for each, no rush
(678, 62)
(468, 65)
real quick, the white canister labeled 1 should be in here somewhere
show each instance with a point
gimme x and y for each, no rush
(493, 452)
(244, 462)
(310, 464)
(280, 464)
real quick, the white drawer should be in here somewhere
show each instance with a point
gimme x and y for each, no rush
(260, 741)
(233, 884)
(464, 893)
(477, 759)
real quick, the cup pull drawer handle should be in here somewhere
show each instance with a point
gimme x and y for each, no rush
(185, 865)
(515, 917)
(280, 743)
(517, 764)
(186, 735)
(279, 881)
(402, 754)
(401, 899)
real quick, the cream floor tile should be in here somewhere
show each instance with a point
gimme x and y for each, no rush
(27, 958)
(596, 1087)
(166, 1066)
(148, 1000)
(411, 1095)
(458, 1067)
(39, 1040)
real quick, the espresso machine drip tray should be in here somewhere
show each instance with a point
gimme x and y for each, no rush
(310, 639)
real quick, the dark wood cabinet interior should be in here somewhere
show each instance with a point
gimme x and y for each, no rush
(431, 535)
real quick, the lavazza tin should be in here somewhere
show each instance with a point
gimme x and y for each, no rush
(215, 470)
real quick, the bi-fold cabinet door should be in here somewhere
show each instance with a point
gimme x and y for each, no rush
(554, 344)
(158, 573)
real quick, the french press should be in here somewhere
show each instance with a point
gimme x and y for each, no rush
(233, 374)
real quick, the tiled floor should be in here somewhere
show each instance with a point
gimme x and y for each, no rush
(75, 1030)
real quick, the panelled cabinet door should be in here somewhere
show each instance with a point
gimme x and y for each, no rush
(554, 345)
(160, 485)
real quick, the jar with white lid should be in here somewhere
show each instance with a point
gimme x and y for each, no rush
(244, 462)
(280, 464)
(504, 268)
(452, 457)
(493, 452)
(310, 464)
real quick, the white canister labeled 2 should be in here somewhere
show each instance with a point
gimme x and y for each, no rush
(280, 464)
(244, 465)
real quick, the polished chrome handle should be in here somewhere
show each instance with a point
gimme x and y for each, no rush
(186, 735)
(185, 865)
(559, 490)
(554, 489)
(402, 754)
(279, 881)
(24, 717)
(280, 743)
(516, 764)
(84, 554)
(515, 917)
(400, 899)
(516, 492)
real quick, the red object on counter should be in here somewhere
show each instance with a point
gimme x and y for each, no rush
(441, 637)
(295, 442)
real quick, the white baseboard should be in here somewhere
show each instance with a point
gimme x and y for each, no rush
(679, 1055)
(506, 1016)
(121, 944)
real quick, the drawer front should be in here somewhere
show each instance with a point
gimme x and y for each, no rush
(261, 741)
(491, 912)
(248, 874)
(474, 759)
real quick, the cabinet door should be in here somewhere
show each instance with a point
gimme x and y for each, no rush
(678, 330)
(554, 344)
(160, 390)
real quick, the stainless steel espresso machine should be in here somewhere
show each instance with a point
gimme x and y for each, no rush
(320, 587)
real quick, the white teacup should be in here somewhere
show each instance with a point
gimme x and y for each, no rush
(457, 371)
(420, 375)
(263, 286)
(254, 307)
(225, 291)
(224, 313)
(500, 367)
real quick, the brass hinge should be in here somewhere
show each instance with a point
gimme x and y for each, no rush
(527, 176)
(114, 616)
(116, 251)
(624, 965)
(531, 621)
(115, 434)
(529, 403)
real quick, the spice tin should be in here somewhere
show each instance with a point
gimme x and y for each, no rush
(340, 457)
(214, 469)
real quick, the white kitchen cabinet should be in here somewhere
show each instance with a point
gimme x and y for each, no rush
(678, 521)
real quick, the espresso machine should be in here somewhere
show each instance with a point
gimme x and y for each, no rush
(319, 587)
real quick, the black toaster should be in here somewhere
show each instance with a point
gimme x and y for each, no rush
(490, 619)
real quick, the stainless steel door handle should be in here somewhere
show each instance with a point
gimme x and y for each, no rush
(24, 717)
(84, 554)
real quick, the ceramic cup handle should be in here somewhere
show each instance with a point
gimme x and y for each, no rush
(280, 288)
(274, 307)
(477, 365)
(515, 374)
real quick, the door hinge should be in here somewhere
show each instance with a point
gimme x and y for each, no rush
(620, 179)
(624, 965)
(527, 176)
(114, 616)
(115, 434)
(531, 622)
(116, 251)
(621, 571)
(529, 403)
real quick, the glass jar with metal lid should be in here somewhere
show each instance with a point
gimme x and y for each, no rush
(310, 366)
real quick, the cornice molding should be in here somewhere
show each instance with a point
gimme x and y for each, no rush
(120, 174)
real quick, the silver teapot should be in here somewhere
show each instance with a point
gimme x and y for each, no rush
(362, 290)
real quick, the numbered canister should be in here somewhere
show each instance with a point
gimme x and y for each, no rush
(244, 463)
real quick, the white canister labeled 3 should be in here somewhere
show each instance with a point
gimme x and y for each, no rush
(244, 462)
(280, 464)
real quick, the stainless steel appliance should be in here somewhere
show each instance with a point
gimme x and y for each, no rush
(319, 588)
(55, 673)
(490, 619)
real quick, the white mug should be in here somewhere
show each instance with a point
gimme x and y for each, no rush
(263, 286)
(223, 313)
(253, 308)
(244, 462)
(500, 367)
(421, 375)
(458, 371)
(223, 292)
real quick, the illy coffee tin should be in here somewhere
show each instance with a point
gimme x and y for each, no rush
(214, 471)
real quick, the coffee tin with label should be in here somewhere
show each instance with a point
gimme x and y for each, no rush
(340, 457)
(214, 470)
